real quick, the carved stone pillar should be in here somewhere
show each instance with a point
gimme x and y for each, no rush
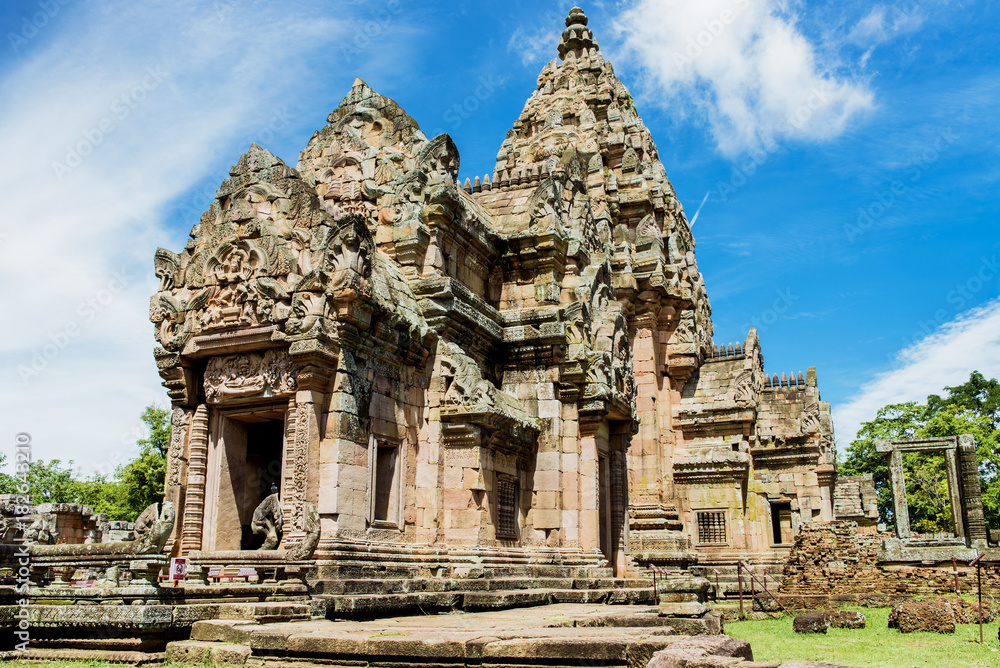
(972, 493)
(177, 467)
(194, 506)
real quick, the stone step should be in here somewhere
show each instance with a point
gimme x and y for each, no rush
(390, 586)
(96, 655)
(500, 600)
(223, 630)
(385, 605)
(199, 652)
(630, 595)
(265, 612)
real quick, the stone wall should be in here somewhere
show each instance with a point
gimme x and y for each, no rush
(855, 499)
(835, 561)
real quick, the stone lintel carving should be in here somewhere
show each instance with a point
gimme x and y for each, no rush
(249, 375)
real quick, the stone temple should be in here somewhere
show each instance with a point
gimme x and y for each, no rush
(396, 393)
(455, 378)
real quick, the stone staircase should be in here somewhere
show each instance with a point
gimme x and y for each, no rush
(557, 636)
(370, 598)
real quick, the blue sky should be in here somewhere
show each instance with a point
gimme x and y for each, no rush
(842, 158)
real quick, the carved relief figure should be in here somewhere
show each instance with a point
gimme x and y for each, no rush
(810, 419)
(249, 374)
(229, 304)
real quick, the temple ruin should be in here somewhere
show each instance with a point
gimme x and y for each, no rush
(397, 391)
(516, 370)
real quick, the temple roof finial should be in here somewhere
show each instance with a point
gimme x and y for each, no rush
(576, 36)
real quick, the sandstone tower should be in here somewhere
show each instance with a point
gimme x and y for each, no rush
(445, 378)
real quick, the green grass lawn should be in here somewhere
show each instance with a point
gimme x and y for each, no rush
(875, 646)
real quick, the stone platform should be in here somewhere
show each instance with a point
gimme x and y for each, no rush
(553, 635)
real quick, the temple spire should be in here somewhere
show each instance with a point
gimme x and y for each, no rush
(576, 36)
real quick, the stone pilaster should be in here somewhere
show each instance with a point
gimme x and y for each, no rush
(194, 506)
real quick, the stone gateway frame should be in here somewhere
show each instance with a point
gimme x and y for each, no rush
(964, 489)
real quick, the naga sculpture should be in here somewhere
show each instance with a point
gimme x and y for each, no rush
(267, 520)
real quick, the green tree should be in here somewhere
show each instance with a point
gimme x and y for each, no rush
(973, 408)
(134, 486)
(141, 480)
(8, 483)
(892, 421)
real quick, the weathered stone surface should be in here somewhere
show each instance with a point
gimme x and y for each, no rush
(811, 623)
(932, 616)
(189, 651)
(706, 650)
(839, 619)
(229, 655)
(967, 612)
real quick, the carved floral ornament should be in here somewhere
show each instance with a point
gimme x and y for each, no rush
(249, 375)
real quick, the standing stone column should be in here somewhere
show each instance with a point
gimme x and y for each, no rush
(176, 465)
(301, 483)
(593, 441)
(972, 493)
(194, 502)
(342, 460)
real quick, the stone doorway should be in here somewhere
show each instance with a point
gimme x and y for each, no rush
(245, 457)
(782, 532)
(604, 510)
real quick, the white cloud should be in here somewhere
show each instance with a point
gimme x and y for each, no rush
(945, 358)
(534, 46)
(883, 23)
(113, 113)
(745, 65)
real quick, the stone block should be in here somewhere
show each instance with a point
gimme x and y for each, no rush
(844, 620)
(546, 518)
(930, 616)
(229, 655)
(811, 623)
(189, 651)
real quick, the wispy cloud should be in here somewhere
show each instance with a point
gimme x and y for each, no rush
(746, 66)
(945, 358)
(536, 45)
(882, 24)
(121, 111)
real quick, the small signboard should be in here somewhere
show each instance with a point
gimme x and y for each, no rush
(178, 569)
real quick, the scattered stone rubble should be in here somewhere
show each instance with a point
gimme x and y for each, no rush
(834, 563)
(931, 616)
(810, 623)
(841, 619)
